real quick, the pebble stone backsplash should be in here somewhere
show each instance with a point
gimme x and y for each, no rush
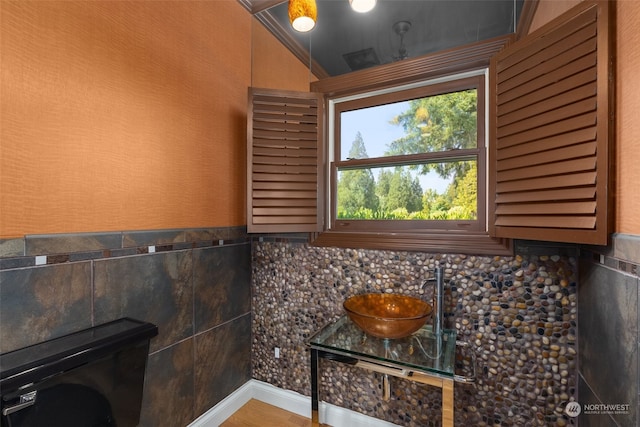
(518, 315)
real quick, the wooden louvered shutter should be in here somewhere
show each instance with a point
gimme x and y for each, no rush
(550, 147)
(284, 152)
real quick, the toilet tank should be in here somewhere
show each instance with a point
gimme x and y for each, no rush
(90, 378)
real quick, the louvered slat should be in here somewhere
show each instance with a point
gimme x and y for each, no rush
(277, 143)
(274, 202)
(531, 109)
(271, 212)
(552, 131)
(283, 147)
(554, 54)
(548, 221)
(561, 169)
(294, 169)
(525, 150)
(289, 152)
(284, 134)
(293, 186)
(585, 208)
(287, 196)
(587, 149)
(274, 222)
(546, 90)
(284, 159)
(571, 180)
(584, 193)
(282, 177)
(542, 116)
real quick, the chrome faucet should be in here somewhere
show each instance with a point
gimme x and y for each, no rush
(438, 299)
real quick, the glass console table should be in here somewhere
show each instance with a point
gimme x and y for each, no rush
(422, 357)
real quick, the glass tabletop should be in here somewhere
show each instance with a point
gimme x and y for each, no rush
(421, 351)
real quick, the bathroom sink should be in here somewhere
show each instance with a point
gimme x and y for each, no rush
(387, 315)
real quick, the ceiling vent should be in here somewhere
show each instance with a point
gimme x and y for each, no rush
(361, 59)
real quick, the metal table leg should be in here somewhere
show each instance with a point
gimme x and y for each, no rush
(447, 403)
(315, 416)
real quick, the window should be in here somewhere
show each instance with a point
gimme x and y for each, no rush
(426, 186)
(410, 159)
(445, 73)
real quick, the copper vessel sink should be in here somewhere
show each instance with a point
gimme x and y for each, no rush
(387, 315)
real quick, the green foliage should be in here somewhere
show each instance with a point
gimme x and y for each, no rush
(457, 202)
(404, 192)
(466, 194)
(357, 187)
(438, 123)
(398, 189)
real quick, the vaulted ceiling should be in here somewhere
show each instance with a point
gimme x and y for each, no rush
(344, 40)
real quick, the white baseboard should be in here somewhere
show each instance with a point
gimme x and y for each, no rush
(225, 408)
(285, 399)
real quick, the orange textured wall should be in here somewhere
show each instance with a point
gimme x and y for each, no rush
(122, 115)
(627, 172)
(274, 66)
(549, 9)
(627, 111)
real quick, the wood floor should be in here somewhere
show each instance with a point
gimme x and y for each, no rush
(259, 414)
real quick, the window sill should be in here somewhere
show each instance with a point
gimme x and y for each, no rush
(471, 243)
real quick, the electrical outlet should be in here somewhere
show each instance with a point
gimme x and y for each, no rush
(276, 352)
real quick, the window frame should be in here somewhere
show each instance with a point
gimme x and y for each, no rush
(433, 67)
(477, 80)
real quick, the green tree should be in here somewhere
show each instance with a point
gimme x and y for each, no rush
(356, 187)
(404, 192)
(457, 202)
(431, 202)
(382, 189)
(399, 190)
(466, 194)
(436, 206)
(438, 123)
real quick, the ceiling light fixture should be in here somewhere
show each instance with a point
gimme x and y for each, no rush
(362, 6)
(401, 28)
(303, 14)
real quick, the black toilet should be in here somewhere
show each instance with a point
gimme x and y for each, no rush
(91, 378)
